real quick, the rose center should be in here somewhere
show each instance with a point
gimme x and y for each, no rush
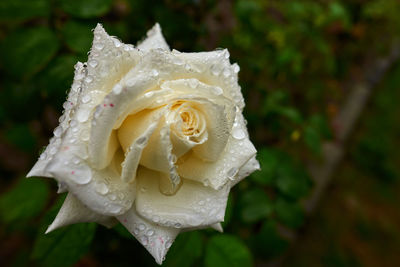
(187, 121)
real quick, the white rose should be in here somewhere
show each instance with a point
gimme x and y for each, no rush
(151, 138)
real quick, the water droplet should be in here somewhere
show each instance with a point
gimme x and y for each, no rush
(58, 131)
(231, 173)
(193, 83)
(101, 188)
(136, 231)
(178, 225)
(88, 79)
(99, 46)
(217, 90)
(142, 227)
(226, 72)
(61, 119)
(201, 202)
(93, 63)
(72, 140)
(117, 89)
(156, 219)
(172, 158)
(149, 94)
(150, 232)
(53, 150)
(117, 43)
(85, 135)
(154, 72)
(177, 61)
(85, 99)
(226, 54)
(236, 68)
(143, 189)
(238, 133)
(83, 115)
(43, 156)
(141, 140)
(215, 70)
(81, 175)
(144, 240)
(168, 244)
(112, 196)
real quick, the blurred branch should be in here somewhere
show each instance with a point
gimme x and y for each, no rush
(344, 123)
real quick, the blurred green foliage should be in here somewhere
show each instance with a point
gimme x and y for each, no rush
(294, 56)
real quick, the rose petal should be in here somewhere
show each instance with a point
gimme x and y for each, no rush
(73, 211)
(193, 204)
(101, 190)
(107, 113)
(109, 60)
(157, 155)
(39, 169)
(154, 39)
(155, 238)
(214, 68)
(237, 152)
(134, 135)
(248, 168)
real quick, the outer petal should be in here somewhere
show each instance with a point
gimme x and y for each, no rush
(193, 204)
(39, 169)
(101, 190)
(216, 174)
(155, 238)
(248, 168)
(154, 39)
(73, 211)
(109, 60)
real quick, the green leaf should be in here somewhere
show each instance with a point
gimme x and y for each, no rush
(21, 136)
(62, 247)
(268, 242)
(25, 52)
(87, 8)
(228, 211)
(57, 78)
(269, 159)
(185, 251)
(288, 213)
(312, 139)
(227, 250)
(17, 10)
(24, 201)
(122, 231)
(255, 205)
(292, 180)
(78, 36)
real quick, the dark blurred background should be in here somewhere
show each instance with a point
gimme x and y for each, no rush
(321, 82)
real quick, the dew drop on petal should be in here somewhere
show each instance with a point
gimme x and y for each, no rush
(117, 89)
(193, 83)
(217, 90)
(154, 72)
(238, 133)
(93, 63)
(82, 174)
(99, 46)
(236, 68)
(231, 173)
(149, 94)
(85, 99)
(58, 131)
(88, 79)
(101, 188)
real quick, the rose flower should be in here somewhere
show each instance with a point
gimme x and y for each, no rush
(151, 138)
